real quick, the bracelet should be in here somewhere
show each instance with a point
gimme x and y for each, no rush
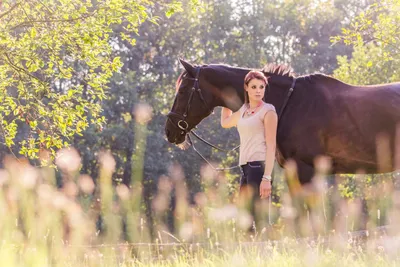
(267, 178)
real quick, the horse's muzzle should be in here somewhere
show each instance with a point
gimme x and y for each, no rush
(173, 136)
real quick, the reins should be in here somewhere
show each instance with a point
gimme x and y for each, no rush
(213, 146)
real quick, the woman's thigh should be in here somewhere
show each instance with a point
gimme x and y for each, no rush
(252, 175)
(255, 172)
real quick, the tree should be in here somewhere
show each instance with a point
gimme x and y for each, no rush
(375, 35)
(56, 62)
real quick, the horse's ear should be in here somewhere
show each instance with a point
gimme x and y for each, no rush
(188, 67)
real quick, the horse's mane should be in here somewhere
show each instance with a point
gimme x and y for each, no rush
(278, 69)
(286, 71)
(179, 81)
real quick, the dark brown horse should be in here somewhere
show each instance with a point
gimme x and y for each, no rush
(353, 125)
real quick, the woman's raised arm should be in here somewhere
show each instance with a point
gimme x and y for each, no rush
(228, 118)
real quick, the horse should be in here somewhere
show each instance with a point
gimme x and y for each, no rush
(356, 127)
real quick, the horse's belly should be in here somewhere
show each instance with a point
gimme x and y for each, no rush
(350, 155)
(361, 137)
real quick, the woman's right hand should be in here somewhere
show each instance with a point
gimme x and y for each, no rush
(265, 189)
(228, 118)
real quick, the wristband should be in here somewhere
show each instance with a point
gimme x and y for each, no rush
(267, 178)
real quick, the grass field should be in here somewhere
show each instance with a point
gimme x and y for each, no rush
(43, 225)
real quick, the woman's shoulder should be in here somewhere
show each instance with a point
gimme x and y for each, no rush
(243, 107)
(267, 107)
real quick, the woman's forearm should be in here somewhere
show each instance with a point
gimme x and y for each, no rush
(226, 113)
(269, 159)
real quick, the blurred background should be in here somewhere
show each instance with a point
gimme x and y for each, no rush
(106, 92)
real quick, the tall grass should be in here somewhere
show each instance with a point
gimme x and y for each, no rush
(81, 224)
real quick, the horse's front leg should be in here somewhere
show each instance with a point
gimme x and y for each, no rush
(308, 198)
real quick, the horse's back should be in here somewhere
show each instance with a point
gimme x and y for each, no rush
(381, 99)
(362, 116)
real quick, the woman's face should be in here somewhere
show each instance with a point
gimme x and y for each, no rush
(256, 90)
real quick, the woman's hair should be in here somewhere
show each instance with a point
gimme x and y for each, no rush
(254, 74)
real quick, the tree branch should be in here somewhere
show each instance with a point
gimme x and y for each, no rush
(8, 11)
(49, 9)
(23, 70)
(29, 23)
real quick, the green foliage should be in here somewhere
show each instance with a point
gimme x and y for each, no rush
(367, 66)
(379, 23)
(56, 62)
(374, 33)
(290, 32)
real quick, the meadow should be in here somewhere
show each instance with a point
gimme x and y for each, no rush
(80, 223)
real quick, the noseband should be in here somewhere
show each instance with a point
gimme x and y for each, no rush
(182, 124)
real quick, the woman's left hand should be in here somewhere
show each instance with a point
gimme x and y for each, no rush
(265, 189)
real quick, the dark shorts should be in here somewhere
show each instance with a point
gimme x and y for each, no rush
(252, 173)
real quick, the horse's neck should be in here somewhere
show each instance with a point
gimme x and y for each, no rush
(229, 83)
(278, 90)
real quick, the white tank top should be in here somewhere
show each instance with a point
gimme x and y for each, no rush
(252, 134)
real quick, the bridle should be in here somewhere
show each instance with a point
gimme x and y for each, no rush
(182, 124)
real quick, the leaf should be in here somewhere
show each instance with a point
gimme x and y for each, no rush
(169, 12)
(33, 67)
(33, 32)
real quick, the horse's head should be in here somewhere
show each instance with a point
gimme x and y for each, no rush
(193, 102)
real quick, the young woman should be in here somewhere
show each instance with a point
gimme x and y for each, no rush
(256, 122)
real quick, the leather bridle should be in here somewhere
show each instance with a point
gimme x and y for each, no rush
(182, 124)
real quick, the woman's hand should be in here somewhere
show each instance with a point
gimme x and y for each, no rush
(228, 118)
(265, 189)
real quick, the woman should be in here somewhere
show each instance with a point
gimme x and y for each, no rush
(257, 125)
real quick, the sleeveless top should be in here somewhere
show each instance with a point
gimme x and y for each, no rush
(252, 134)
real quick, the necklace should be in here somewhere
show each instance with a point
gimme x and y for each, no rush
(250, 112)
